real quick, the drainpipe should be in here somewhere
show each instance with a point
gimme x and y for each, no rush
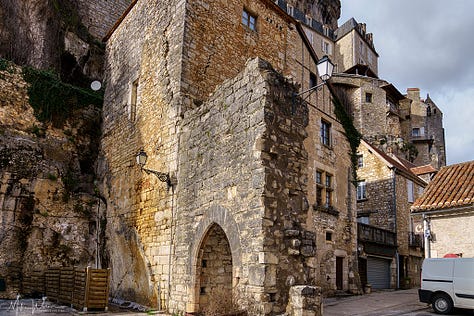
(426, 236)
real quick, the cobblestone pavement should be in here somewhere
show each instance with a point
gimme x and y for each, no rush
(380, 303)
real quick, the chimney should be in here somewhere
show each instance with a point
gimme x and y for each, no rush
(362, 28)
(370, 38)
(413, 94)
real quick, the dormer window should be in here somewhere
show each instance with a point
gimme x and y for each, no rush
(249, 20)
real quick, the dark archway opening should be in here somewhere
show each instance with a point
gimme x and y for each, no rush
(214, 271)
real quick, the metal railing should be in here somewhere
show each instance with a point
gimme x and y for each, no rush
(415, 240)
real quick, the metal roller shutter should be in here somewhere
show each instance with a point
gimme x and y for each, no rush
(378, 272)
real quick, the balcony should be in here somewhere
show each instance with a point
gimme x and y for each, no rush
(415, 240)
(367, 233)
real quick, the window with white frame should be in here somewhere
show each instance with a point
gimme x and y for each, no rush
(325, 133)
(418, 131)
(326, 47)
(361, 190)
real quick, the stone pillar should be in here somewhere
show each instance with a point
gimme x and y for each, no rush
(305, 300)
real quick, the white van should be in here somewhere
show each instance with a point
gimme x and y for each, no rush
(447, 283)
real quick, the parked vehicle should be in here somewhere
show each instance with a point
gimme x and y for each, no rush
(447, 283)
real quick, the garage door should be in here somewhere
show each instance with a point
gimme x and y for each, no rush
(378, 272)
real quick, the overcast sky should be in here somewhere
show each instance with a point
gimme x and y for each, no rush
(428, 44)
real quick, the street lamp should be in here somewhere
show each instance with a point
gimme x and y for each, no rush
(141, 161)
(325, 68)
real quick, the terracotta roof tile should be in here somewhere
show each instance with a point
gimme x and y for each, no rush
(453, 186)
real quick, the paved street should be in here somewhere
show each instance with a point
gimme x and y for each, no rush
(402, 302)
(380, 303)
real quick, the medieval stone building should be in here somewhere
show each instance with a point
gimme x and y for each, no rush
(260, 196)
(390, 247)
(254, 192)
(403, 147)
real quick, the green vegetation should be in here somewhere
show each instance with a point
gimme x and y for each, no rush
(341, 105)
(52, 100)
(6, 65)
(411, 150)
(38, 131)
(70, 182)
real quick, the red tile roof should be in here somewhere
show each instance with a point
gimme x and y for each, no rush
(452, 187)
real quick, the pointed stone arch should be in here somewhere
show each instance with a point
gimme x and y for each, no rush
(217, 233)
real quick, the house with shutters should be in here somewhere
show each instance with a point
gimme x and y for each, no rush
(447, 210)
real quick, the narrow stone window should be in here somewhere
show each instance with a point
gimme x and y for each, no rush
(313, 81)
(368, 97)
(133, 101)
(328, 235)
(325, 133)
(249, 20)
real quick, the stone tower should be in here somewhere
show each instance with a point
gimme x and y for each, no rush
(259, 202)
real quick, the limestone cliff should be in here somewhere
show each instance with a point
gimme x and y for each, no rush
(50, 214)
(63, 35)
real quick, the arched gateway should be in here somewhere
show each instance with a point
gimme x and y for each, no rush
(215, 260)
(214, 270)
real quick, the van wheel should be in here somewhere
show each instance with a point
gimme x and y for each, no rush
(442, 304)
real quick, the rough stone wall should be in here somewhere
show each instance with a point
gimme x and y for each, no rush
(234, 147)
(370, 117)
(434, 125)
(50, 215)
(217, 44)
(98, 16)
(139, 205)
(380, 191)
(411, 257)
(430, 145)
(325, 11)
(351, 50)
(403, 211)
(454, 234)
(61, 35)
(24, 26)
(221, 179)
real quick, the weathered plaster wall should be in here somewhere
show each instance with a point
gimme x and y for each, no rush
(449, 240)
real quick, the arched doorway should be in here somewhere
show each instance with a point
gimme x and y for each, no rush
(214, 270)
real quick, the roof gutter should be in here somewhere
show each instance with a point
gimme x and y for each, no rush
(444, 212)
